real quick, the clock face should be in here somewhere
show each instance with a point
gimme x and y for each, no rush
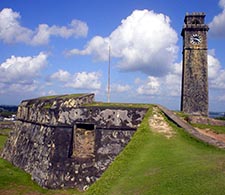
(195, 39)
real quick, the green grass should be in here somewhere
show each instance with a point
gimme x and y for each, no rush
(60, 96)
(3, 138)
(216, 129)
(116, 105)
(5, 131)
(151, 164)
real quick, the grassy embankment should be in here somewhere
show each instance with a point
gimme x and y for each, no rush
(153, 164)
(150, 164)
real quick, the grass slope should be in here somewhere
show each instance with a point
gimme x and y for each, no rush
(151, 164)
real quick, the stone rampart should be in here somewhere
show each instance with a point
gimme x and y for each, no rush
(62, 143)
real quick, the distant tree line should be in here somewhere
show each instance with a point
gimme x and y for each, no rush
(7, 111)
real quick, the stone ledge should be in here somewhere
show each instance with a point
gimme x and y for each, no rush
(205, 120)
(191, 130)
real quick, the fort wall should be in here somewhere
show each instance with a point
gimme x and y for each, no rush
(63, 142)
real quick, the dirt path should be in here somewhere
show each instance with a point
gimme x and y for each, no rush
(159, 125)
(210, 133)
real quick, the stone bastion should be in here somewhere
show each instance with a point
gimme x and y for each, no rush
(68, 141)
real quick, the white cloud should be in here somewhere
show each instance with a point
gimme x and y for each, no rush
(12, 32)
(144, 41)
(213, 66)
(222, 98)
(98, 47)
(19, 74)
(167, 85)
(85, 80)
(43, 32)
(170, 84)
(61, 75)
(119, 88)
(137, 81)
(151, 87)
(22, 69)
(23, 87)
(80, 80)
(222, 3)
(217, 25)
(216, 73)
(219, 81)
(10, 29)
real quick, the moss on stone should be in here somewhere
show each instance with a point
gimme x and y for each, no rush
(66, 96)
(117, 105)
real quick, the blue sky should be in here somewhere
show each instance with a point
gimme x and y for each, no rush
(61, 47)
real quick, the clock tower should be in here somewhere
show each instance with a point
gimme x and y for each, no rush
(194, 97)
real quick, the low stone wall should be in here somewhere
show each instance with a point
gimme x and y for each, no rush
(191, 130)
(69, 146)
(205, 120)
(7, 125)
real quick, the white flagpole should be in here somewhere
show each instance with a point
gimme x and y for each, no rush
(108, 94)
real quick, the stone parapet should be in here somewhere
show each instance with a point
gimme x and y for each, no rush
(69, 111)
(45, 110)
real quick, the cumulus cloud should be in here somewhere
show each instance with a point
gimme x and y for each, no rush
(221, 98)
(11, 30)
(219, 81)
(119, 88)
(98, 47)
(80, 80)
(22, 69)
(217, 25)
(144, 41)
(167, 85)
(213, 66)
(85, 80)
(61, 75)
(20, 73)
(150, 87)
(215, 72)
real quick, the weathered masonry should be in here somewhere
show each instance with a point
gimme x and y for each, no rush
(194, 99)
(62, 143)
